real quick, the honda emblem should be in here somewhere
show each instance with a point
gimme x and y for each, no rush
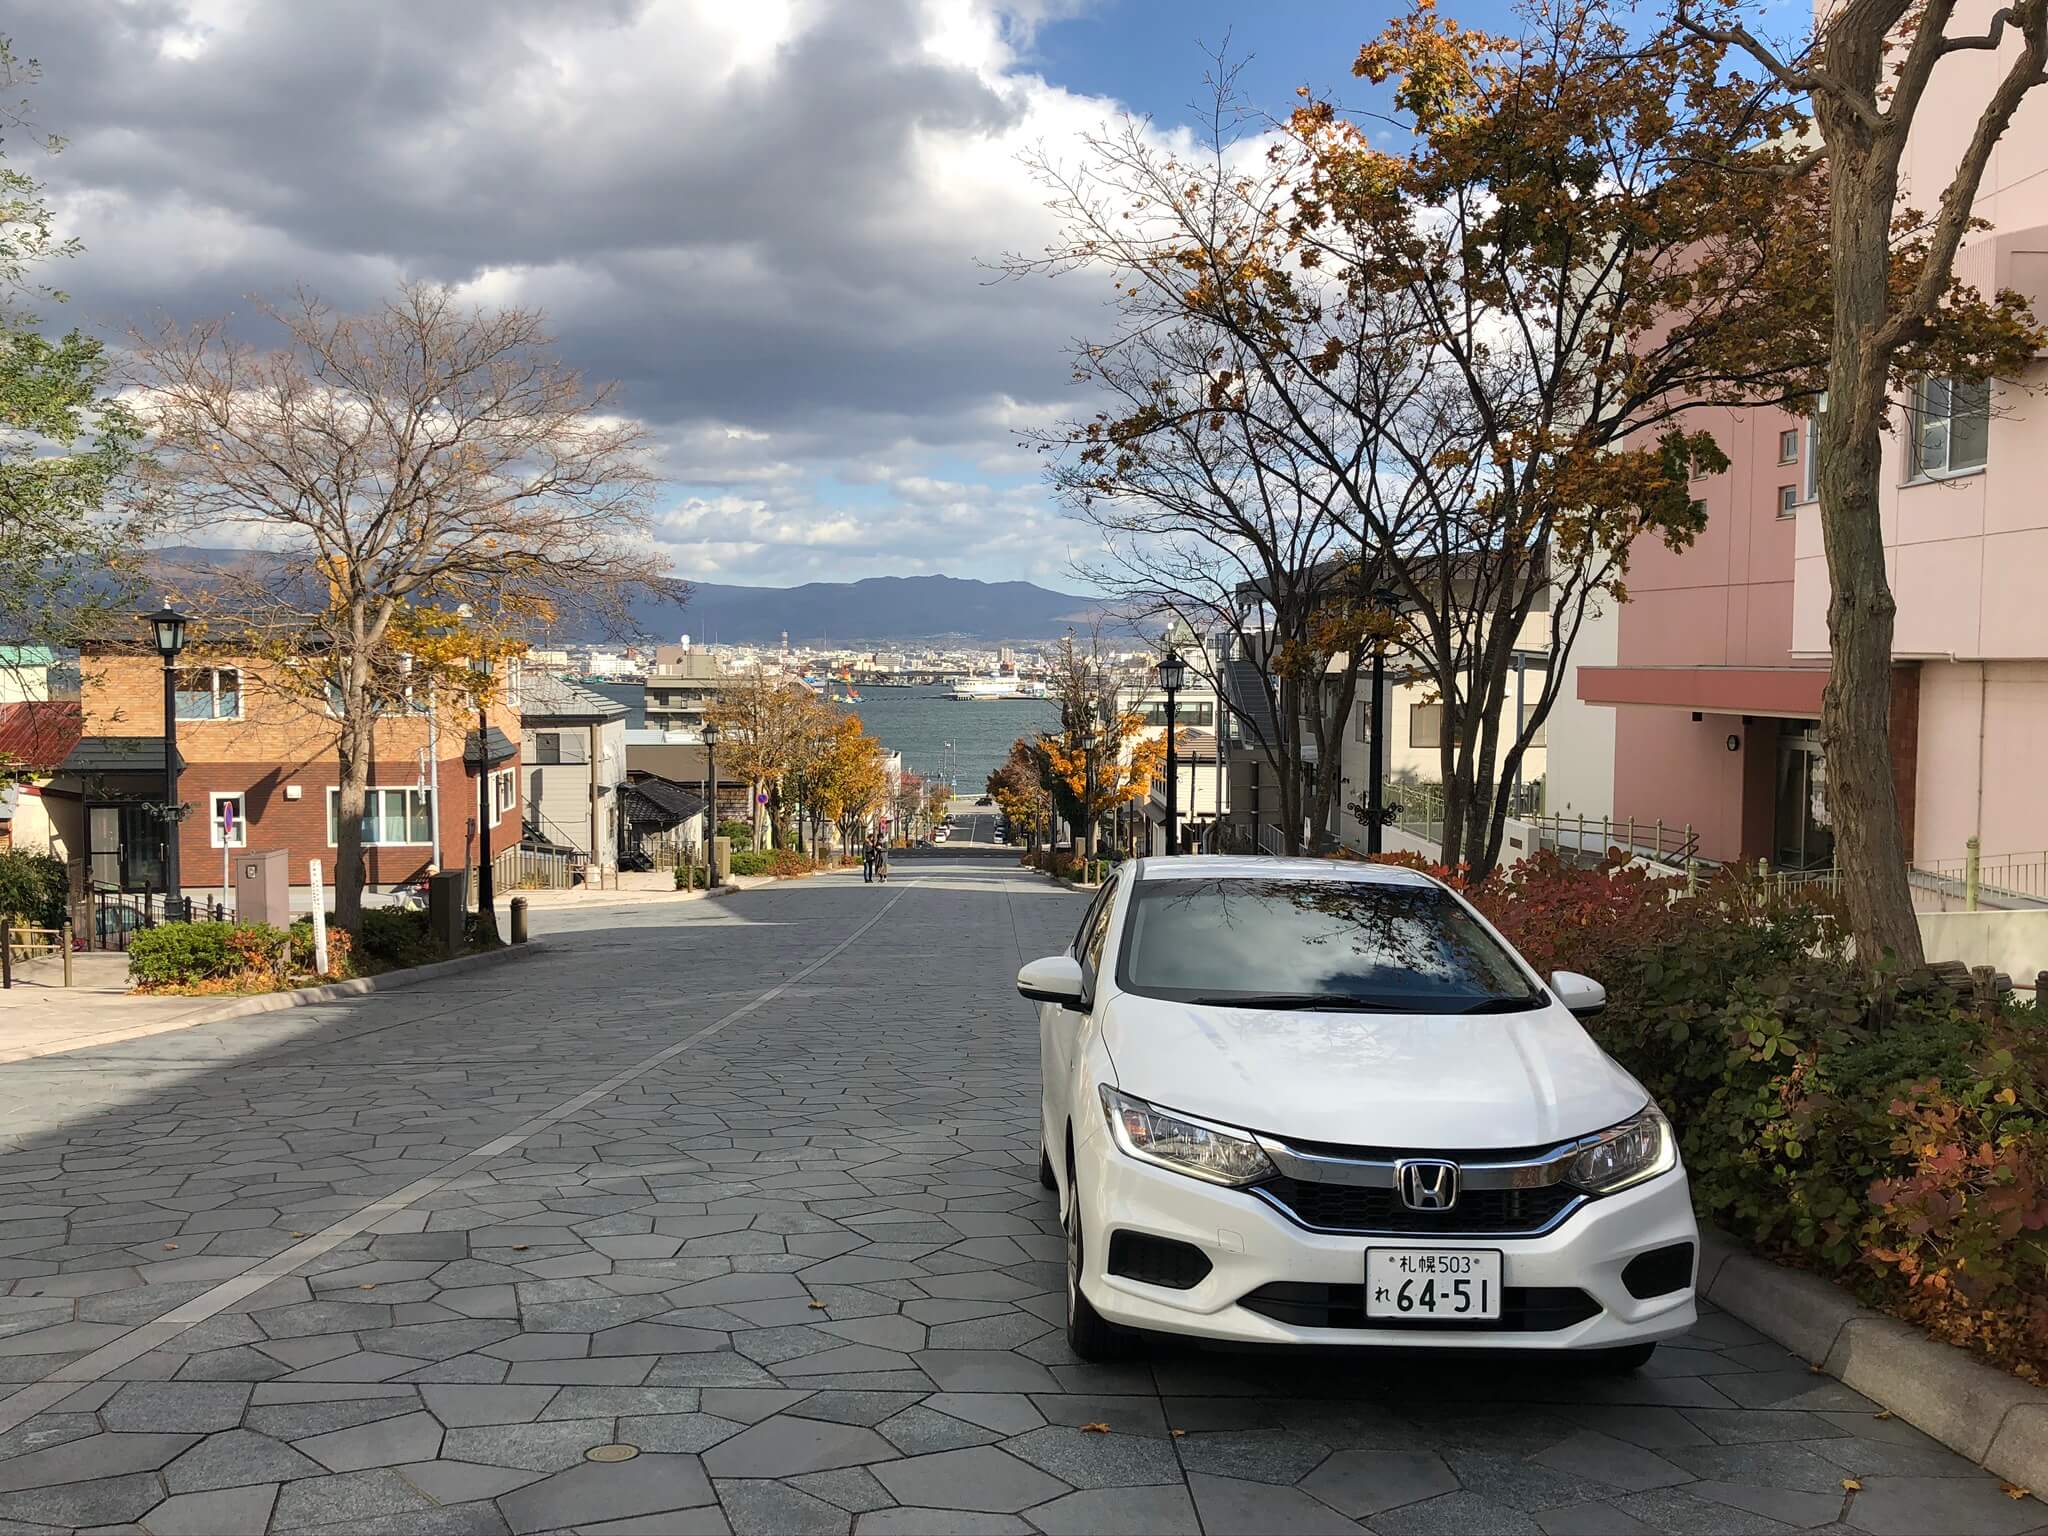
(1427, 1186)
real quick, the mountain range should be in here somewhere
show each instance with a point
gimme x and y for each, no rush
(874, 609)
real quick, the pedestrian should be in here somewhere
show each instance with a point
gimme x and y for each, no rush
(867, 862)
(882, 860)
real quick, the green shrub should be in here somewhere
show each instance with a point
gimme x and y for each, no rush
(389, 938)
(750, 862)
(35, 889)
(741, 833)
(1875, 1129)
(691, 877)
(182, 954)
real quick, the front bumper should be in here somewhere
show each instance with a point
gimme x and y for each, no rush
(1250, 1245)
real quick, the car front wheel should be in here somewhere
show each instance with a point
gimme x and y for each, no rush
(1088, 1335)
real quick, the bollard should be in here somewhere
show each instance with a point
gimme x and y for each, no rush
(6, 953)
(64, 939)
(518, 919)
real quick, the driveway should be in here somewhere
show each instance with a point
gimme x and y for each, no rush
(724, 1216)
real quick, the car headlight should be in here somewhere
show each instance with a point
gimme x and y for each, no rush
(1637, 1149)
(1186, 1145)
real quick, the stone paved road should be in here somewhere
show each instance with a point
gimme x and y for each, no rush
(749, 1186)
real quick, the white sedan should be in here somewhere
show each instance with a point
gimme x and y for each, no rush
(1296, 1101)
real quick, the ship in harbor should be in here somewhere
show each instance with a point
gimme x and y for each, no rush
(981, 690)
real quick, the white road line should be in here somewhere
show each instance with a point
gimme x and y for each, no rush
(140, 1340)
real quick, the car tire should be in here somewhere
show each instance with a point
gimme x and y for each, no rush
(1045, 1173)
(1620, 1360)
(1088, 1335)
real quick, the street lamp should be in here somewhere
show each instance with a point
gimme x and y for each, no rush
(1375, 815)
(711, 735)
(1173, 676)
(486, 893)
(169, 625)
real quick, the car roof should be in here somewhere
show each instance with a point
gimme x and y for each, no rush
(1230, 866)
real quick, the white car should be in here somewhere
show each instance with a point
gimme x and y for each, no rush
(1291, 1101)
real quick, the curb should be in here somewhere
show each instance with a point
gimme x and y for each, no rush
(334, 991)
(1975, 1409)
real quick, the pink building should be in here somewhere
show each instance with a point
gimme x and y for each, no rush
(1723, 650)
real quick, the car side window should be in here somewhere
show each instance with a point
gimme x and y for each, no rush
(1098, 933)
(1086, 931)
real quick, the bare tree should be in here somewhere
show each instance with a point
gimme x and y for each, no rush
(1891, 283)
(425, 454)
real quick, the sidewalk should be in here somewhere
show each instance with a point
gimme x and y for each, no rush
(39, 1016)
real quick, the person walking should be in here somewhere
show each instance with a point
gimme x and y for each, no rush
(882, 860)
(867, 863)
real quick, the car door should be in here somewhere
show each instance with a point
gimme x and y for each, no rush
(1059, 1028)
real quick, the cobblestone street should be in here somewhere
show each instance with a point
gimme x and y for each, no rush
(724, 1216)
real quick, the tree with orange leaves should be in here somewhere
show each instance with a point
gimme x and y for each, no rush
(1100, 757)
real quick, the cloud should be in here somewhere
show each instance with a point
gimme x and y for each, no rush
(765, 220)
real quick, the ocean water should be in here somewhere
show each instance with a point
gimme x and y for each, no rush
(918, 722)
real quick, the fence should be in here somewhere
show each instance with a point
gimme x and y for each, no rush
(2000, 880)
(25, 943)
(525, 869)
(1591, 836)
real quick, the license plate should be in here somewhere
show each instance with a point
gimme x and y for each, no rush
(1443, 1285)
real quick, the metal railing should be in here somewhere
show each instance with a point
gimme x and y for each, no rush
(27, 943)
(1592, 836)
(525, 869)
(1999, 879)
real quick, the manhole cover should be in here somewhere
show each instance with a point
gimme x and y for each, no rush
(611, 1453)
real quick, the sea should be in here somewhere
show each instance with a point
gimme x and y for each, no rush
(967, 739)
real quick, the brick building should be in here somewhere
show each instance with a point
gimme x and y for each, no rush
(260, 771)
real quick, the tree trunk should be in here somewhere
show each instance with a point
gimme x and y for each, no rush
(1856, 707)
(353, 750)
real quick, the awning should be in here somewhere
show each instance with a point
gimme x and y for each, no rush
(502, 748)
(1789, 692)
(117, 754)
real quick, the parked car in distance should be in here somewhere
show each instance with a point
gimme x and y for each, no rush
(986, 800)
(1296, 1101)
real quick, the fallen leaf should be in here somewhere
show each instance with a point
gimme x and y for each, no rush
(2014, 1490)
(1178, 1433)
(1815, 1370)
(520, 1247)
(298, 1234)
(1094, 1429)
(1852, 1485)
(170, 1245)
(1882, 1413)
(367, 1285)
(817, 1306)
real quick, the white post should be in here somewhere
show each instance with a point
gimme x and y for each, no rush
(319, 918)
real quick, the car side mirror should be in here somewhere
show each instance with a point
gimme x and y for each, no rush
(1581, 994)
(1055, 979)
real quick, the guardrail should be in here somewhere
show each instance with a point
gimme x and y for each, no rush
(1594, 835)
(28, 942)
(525, 869)
(2003, 879)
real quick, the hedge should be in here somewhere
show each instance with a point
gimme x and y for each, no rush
(35, 888)
(1876, 1129)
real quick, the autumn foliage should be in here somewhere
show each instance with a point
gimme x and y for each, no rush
(1877, 1130)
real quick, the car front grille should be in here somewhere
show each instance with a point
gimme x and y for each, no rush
(1360, 1208)
(1523, 1309)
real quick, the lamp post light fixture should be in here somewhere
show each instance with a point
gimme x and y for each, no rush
(1173, 676)
(711, 735)
(168, 626)
(1375, 812)
(486, 885)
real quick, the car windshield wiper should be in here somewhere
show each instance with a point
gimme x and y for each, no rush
(1303, 1002)
(1499, 1005)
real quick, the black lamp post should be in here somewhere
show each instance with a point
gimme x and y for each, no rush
(711, 735)
(1375, 815)
(1173, 676)
(486, 892)
(169, 626)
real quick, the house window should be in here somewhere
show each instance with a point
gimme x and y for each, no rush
(547, 748)
(1809, 489)
(1535, 737)
(1788, 500)
(231, 809)
(1951, 426)
(1788, 447)
(501, 793)
(209, 693)
(392, 818)
(1426, 725)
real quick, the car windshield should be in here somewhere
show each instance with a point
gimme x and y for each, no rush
(1342, 945)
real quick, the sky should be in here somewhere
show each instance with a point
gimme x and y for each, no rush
(768, 220)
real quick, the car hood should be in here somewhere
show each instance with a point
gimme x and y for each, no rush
(1426, 1081)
